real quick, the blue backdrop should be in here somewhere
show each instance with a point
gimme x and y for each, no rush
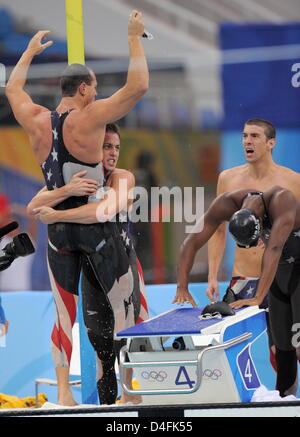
(260, 79)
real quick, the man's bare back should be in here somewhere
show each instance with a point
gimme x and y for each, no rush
(79, 140)
(247, 262)
(84, 127)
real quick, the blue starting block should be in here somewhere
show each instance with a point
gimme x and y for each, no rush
(178, 358)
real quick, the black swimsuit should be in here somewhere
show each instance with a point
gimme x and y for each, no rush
(284, 308)
(111, 283)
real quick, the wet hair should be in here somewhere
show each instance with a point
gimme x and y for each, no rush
(72, 77)
(244, 227)
(269, 128)
(114, 128)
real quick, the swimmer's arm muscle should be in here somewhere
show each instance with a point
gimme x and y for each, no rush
(78, 186)
(108, 110)
(119, 198)
(23, 107)
(47, 197)
(190, 247)
(281, 229)
(115, 200)
(219, 211)
(216, 244)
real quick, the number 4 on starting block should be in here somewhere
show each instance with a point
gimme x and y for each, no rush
(182, 373)
(247, 369)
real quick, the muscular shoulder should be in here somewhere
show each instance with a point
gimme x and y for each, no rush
(290, 180)
(282, 202)
(120, 174)
(233, 171)
(288, 172)
(227, 180)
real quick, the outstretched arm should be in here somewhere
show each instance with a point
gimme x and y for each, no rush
(187, 254)
(216, 248)
(115, 199)
(78, 186)
(21, 103)
(219, 211)
(108, 110)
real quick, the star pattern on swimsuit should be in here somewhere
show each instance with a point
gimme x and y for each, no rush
(122, 218)
(51, 166)
(123, 234)
(297, 234)
(55, 134)
(54, 155)
(49, 174)
(250, 290)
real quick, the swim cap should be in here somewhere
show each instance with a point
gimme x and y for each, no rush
(244, 227)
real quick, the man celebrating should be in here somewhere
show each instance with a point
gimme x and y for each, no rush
(260, 172)
(124, 305)
(84, 128)
(274, 217)
(65, 142)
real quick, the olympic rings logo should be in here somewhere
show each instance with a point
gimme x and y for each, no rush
(155, 376)
(212, 374)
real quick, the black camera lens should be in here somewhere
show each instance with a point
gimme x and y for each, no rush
(179, 344)
(20, 246)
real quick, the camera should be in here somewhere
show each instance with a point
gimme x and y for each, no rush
(179, 344)
(20, 246)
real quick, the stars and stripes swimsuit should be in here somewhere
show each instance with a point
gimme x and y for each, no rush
(111, 281)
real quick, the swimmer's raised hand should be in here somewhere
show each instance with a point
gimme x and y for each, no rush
(135, 24)
(35, 45)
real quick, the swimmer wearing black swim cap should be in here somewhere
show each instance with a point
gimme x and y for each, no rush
(245, 228)
(274, 217)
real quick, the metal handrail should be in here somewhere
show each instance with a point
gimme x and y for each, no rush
(198, 363)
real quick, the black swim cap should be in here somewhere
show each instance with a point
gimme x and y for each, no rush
(244, 227)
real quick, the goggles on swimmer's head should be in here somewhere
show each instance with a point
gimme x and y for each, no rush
(245, 228)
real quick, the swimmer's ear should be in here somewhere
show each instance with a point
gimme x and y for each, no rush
(82, 88)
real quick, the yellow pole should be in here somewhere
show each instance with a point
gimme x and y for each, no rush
(75, 35)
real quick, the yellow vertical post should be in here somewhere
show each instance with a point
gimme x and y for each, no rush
(75, 34)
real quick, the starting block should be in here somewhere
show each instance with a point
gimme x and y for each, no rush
(178, 358)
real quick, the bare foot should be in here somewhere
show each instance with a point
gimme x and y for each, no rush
(64, 393)
(134, 399)
(66, 400)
